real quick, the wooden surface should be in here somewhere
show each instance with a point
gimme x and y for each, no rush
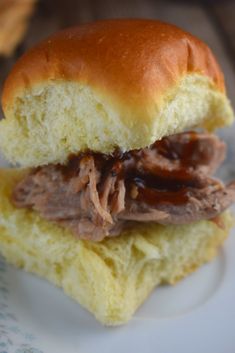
(214, 22)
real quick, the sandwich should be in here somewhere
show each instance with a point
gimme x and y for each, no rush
(109, 126)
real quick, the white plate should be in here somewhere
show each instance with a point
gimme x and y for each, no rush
(196, 315)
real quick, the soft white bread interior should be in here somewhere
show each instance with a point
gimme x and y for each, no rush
(109, 84)
(112, 278)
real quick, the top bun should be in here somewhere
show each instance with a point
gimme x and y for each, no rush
(109, 84)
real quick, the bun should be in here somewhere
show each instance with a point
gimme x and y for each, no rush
(109, 84)
(112, 278)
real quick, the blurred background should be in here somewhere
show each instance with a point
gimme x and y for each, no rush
(24, 22)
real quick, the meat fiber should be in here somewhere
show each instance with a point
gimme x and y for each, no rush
(98, 195)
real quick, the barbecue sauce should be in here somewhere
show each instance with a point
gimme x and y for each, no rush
(157, 185)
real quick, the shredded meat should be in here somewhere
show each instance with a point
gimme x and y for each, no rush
(97, 195)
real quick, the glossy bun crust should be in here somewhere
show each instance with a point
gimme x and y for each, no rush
(106, 85)
(130, 58)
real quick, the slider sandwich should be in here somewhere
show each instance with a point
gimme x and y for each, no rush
(113, 191)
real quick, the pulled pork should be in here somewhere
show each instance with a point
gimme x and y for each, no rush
(97, 195)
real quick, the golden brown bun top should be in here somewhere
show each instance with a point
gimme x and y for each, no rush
(130, 58)
(106, 85)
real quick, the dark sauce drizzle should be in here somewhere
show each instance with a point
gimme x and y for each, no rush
(152, 187)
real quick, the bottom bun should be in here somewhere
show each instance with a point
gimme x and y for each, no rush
(112, 278)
